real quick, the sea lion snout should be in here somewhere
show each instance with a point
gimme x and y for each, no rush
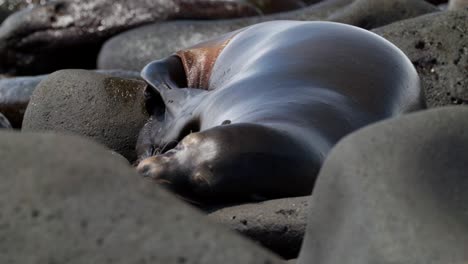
(153, 167)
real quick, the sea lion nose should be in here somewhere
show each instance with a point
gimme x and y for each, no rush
(148, 167)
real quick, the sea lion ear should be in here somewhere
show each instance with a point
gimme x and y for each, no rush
(165, 74)
(162, 76)
(167, 86)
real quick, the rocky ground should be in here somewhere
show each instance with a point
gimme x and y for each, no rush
(393, 192)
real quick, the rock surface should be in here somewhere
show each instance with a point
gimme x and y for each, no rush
(277, 224)
(108, 109)
(394, 192)
(132, 50)
(4, 123)
(7, 7)
(68, 33)
(458, 4)
(15, 93)
(437, 44)
(67, 200)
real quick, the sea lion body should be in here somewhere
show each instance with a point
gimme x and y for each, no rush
(279, 95)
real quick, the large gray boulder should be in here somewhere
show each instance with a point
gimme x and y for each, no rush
(67, 200)
(437, 46)
(68, 33)
(15, 93)
(132, 50)
(394, 192)
(108, 109)
(7, 7)
(277, 224)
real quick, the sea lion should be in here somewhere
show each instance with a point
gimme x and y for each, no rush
(252, 114)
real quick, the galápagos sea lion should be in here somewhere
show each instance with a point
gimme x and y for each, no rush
(254, 113)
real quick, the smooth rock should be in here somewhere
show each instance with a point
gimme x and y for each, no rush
(4, 123)
(15, 93)
(276, 224)
(132, 50)
(369, 14)
(437, 44)
(67, 200)
(7, 7)
(68, 33)
(108, 109)
(394, 192)
(458, 4)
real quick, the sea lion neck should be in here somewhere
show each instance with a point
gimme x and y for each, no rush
(198, 61)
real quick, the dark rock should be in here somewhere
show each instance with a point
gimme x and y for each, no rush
(394, 192)
(68, 33)
(374, 13)
(67, 200)
(108, 109)
(4, 123)
(7, 7)
(277, 224)
(15, 93)
(437, 2)
(437, 45)
(132, 50)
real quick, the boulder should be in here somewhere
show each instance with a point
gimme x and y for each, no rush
(108, 109)
(68, 33)
(437, 46)
(15, 93)
(65, 199)
(394, 192)
(132, 50)
(278, 225)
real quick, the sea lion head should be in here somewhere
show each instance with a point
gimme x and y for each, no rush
(187, 168)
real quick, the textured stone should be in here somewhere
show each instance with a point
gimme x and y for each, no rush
(277, 224)
(108, 109)
(132, 50)
(15, 93)
(68, 33)
(437, 44)
(394, 192)
(67, 200)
